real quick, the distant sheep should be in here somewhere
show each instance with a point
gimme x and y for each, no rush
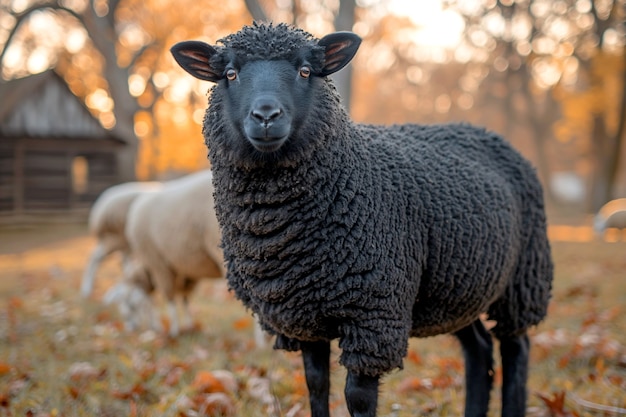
(133, 298)
(174, 238)
(368, 234)
(107, 221)
(611, 216)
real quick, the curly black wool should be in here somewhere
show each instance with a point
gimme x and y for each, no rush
(374, 234)
(269, 41)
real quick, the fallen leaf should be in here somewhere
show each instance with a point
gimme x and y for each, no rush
(259, 388)
(74, 392)
(103, 316)
(205, 382)
(299, 384)
(617, 380)
(173, 377)
(15, 302)
(414, 357)
(412, 383)
(5, 368)
(610, 314)
(242, 324)
(556, 405)
(600, 366)
(5, 400)
(135, 392)
(215, 404)
(17, 385)
(227, 379)
(84, 371)
(455, 364)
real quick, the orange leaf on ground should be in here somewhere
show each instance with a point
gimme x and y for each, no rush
(497, 376)
(556, 405)
(242, 324)
(414, 357)
(215, 404)
(5, 368)
(165, 323)
(206, 382)
(103, 316)
(5, 400)
(173, 377)
(135, 391)
(564, 361)
(600, 366)
(73, 392)
(412, 383)
(612, 313)
(16, 302)
(84, 371)
(455, 364)
(299, 384)
(617, 380)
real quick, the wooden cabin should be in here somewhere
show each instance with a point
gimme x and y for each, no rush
(55, 156)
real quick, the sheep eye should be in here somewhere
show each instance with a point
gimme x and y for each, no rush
(231, 74)
(305, 71)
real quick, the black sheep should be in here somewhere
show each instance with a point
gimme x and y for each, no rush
(368, 234)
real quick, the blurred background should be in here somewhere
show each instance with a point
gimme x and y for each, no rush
(90, 96)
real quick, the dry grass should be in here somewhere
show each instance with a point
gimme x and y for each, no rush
(63, 356)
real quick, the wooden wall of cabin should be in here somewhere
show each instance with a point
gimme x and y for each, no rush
(39, 175)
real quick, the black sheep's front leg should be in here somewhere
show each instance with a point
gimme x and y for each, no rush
(514, 351)
(478, 354)
(361, 394)
(316, 358)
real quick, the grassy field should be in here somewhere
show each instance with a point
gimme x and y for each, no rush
(63, 356)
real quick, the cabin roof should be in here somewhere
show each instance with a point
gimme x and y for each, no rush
(42, 105)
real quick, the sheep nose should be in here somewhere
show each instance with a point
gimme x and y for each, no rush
(265, 111)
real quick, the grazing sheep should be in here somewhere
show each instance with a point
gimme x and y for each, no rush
(612, 215)
(174, 238)
(107, 220)
(132, 296)
(369, 234)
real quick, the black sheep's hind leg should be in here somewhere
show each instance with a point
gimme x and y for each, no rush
(478, 354)
(316, 358)
(361, 394)
(514, 351)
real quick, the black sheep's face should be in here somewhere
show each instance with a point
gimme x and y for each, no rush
(267, 100)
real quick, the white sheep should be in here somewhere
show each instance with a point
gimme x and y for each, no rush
(132, 295)
(107, 221)
(175, 240)
(612, 215)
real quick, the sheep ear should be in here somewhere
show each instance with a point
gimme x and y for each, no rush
(195, 58)
(340, 48)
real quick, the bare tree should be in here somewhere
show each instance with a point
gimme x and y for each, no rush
(100, 24)
(544, 41)
(606, 146)
(344, 20)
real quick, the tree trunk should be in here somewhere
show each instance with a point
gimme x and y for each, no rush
(343, 79)
(600, 190)
(256, 10)
(125, 108)
(615, 157)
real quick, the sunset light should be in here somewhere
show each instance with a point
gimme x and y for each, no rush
(344, 174)
(434, 26)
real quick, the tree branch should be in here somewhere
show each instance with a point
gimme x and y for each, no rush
(256, 10)
(113, 5)
(23, 16)
(140, 52)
